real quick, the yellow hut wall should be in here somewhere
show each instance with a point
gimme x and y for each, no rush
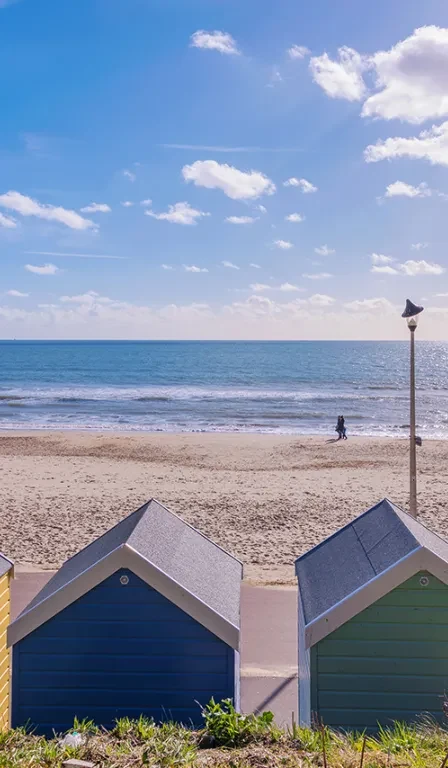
(4, 651)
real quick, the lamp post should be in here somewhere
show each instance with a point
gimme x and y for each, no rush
(411, 313)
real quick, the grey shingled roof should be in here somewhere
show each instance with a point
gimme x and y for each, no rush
(363, 549)
(179, 550)
(5, 565)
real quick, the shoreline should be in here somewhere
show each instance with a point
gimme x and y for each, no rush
(265, 498)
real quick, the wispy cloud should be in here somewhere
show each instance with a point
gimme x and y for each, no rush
(75, 255)
(295, 218)
(298, 52)
(96, 208)
(17, 294)
(26, 206)
(254, 266)
(167, 267)
(229, 265)
(284, 245)
(179, 213)
(306, 187)
(7, 222)
(45, 269)
(130, 175)
(419, 246)
(324, 250)
(236, 184)
(193, 268)
(240, 219)
(318, 276)
(214, 41)
(127, 204)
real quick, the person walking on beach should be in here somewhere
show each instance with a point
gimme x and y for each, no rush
(340, 428)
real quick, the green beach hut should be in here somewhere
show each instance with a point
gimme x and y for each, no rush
(373, 623)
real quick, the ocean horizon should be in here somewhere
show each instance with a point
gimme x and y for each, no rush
(283, 387)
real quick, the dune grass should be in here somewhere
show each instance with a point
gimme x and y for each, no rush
(231, 740)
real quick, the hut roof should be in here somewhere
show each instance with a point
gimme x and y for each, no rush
(365, 552)
(164, 550)
(5, 565)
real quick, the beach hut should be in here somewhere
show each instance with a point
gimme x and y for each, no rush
(145, 620)
(6, 574)
(373, 622)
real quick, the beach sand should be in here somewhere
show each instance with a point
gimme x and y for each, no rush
(265, 498)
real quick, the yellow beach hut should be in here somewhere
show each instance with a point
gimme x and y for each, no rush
(6, 574)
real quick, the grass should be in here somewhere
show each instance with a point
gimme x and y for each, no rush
(231, 740)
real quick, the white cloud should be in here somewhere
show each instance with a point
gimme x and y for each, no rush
(26, 206)
(214, 41)
(96, 208)
(418, 246)
(88, 298)
(380, 258)
(127, 204)
(321, 300)
(369, 305)
(298, 52)
(192, 268)
(259, 287)
(341, 79)
(45, 269)
(318, 276)
(382, 265)
(236, 184)
(431, 145)
(413, 268)
(401, 189)
(146, 203)
(129, 175)
(229, 265)
(295, 218)
(385, 270)
(17, 294)
(324, 250)
(412, 78)
(255, 266)
(289, 287)
(180, 213)
(306, 186)
(284, 245)
(7, 222)
(240, 219)
(168, 267)
(262, 209)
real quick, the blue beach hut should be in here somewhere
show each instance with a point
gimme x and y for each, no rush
(373, 623)
(145, 620)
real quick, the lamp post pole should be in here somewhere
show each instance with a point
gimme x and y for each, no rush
(413, 445)
(410, 314)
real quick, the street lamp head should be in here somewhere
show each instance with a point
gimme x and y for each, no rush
(411, 310)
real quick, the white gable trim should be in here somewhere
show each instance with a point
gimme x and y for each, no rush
(364, 596)
(123, 557)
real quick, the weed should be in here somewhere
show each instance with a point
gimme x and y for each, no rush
(225, 727)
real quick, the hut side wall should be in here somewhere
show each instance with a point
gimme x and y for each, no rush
(120, 650)
(389, 662)
(4, 651)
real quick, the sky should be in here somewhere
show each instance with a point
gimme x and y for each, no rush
(214, 169)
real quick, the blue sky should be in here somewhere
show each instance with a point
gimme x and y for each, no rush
(198, 113)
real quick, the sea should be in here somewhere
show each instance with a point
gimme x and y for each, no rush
(293, 388)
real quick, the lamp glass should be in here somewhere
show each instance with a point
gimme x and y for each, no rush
(412, 322)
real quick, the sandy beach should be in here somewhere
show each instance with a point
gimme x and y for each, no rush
(265, 498)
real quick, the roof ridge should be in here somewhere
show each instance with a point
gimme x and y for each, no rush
(344, 528)
(174, 514)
